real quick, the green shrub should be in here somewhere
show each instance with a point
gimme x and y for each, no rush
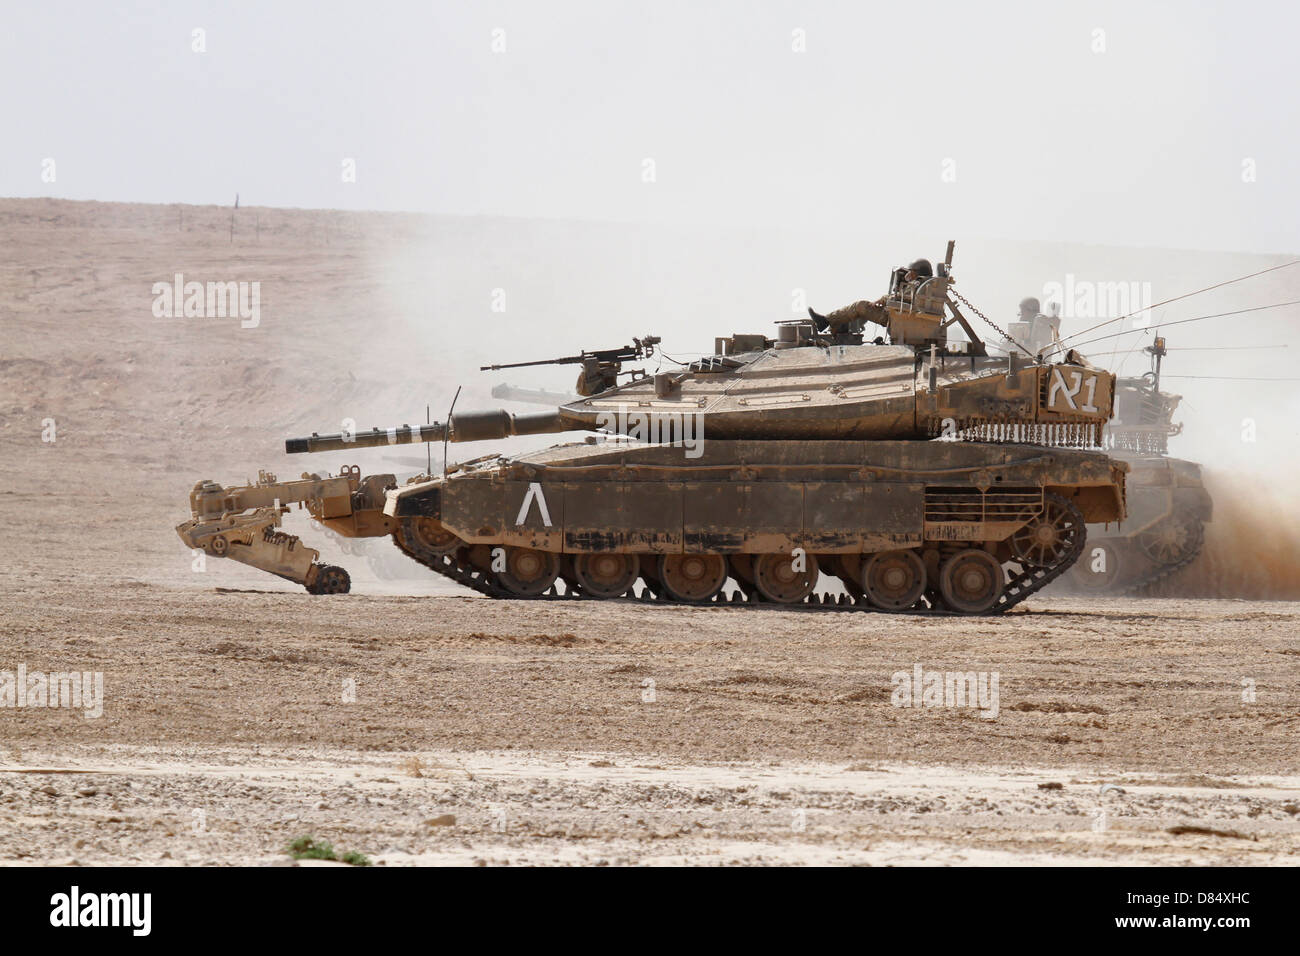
(307, 848)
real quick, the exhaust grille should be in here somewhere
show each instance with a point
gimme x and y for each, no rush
(972, 505)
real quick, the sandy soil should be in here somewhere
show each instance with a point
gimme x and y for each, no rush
(551, 732)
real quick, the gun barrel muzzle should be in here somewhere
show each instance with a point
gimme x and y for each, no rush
(465, 426)
(375, 438)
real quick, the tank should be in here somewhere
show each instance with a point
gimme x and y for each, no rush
(1168, 504)
(922, 475)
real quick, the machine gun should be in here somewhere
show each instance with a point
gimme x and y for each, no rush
(600, 368)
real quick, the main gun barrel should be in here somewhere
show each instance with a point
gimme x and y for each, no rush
(465, 426)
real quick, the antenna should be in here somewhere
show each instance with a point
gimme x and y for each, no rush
(1185, 295)
(1157, 352)
(446, 432)
(1165, 325)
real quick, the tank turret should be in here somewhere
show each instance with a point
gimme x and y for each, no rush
(807, 391)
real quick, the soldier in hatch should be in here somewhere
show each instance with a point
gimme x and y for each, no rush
(853, 318)
(1033, 330)
(1048, 328)
(916, 272)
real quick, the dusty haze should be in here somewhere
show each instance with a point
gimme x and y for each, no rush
(373, 317)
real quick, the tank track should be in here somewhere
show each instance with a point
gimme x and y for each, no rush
(1019, 587)
(1153, 575)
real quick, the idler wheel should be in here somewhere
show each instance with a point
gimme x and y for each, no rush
(427, 534)
(330, 579)
(692, 578)
(893, 580)
(971, 581)
(1173, 540)
(219, 545)
(529, 572)
(606, 575)
(777, 580)
(1051, 536)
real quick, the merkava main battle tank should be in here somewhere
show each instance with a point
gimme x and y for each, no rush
(1168, 504)
(767, 463)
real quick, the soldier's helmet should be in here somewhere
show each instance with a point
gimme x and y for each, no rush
(1030, 307)
(922, 268)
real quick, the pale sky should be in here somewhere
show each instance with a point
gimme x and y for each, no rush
(1131, 123)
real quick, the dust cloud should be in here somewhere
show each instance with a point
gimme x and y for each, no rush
(369, 318)
(1252, 545)
(469, 291)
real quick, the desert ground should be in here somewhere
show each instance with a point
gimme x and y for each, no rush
(419, 724)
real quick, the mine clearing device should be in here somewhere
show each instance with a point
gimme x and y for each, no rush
(925, 475)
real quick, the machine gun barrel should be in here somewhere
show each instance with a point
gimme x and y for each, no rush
(566, 360)
(465, 426)
(641, 348)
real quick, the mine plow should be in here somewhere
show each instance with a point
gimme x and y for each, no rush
(241, 522)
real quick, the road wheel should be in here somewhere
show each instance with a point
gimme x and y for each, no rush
(608, 575)
(330, 579)
(529, 572)
(1051, 536)
(1173, 540)
(742, 568)
(693, 578)
(427, 535)
(777, 580)
(971, 581)
(893, 580)
(570, 579)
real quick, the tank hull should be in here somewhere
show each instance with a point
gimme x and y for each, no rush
(763, 513)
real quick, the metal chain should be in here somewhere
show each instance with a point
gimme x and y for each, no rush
(987, 321)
